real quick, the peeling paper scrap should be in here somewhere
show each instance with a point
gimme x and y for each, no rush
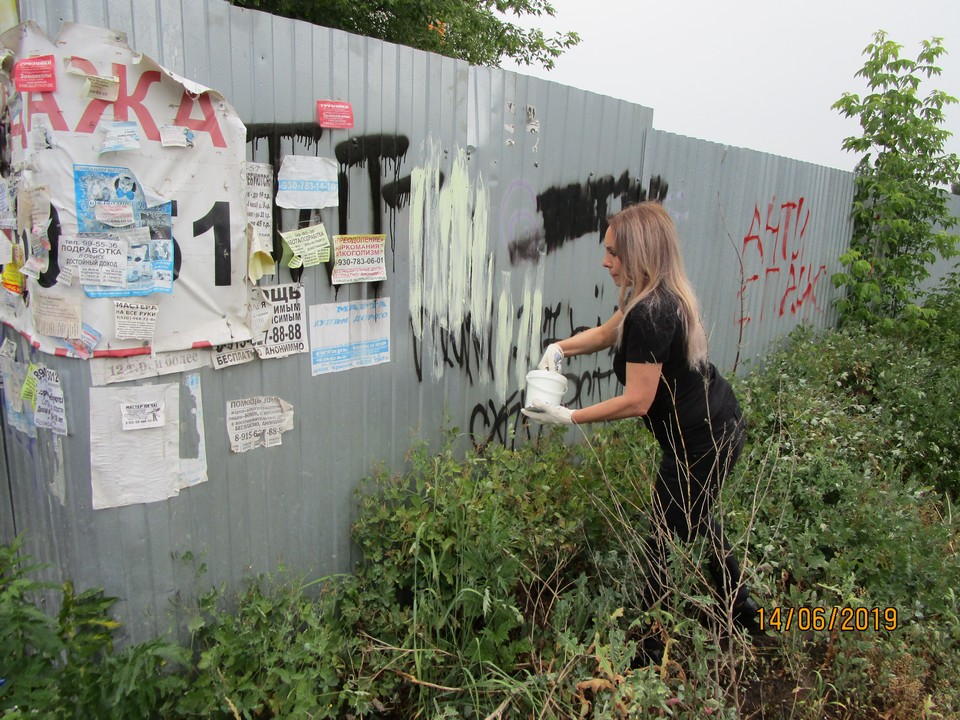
(257, 422)
(128, 468)
(193, 443)
(310, 244)
(56, 315)
(14, 376)
(258, 194)
(232, 354)
(104, 371)
(94, 87)
(83, 346)
(261, 259)
(50, 412)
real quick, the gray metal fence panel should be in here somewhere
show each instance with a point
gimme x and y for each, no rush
(540, 165)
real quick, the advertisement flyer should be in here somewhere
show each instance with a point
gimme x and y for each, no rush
(287, 332)
(306, 182)
(349, 335)
(359, 258)
(257, 422)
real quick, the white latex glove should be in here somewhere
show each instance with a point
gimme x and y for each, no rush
(548, 414)
(551, 358)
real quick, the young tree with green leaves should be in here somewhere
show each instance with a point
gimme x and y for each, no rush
(900, 215)
(471, 30)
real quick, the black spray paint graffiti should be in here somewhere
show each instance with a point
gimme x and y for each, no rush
(490, 422)
(578, 209)
(368, 151)
(371, 151)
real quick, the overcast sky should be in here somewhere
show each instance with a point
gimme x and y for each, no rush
(758, 74)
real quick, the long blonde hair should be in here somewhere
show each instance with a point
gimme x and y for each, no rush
(647, 244)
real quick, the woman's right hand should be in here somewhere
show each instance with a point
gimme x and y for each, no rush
(552, 358)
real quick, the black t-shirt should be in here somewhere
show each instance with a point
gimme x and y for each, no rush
(688, 403)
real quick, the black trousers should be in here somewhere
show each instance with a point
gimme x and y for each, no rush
(688, 482)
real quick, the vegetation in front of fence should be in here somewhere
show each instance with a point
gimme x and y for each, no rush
(504, 584)
(901, 220)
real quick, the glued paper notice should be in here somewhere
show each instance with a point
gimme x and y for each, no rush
(35, 74)
(257, 422)
(127, 468)
(121, 135)
(306, 182)
(51, 410)
(232, 354)
(310, 244)
(287, 333)
(97, 260)
(359, 258)
(334, 114)
(134, 321)
(258, 189)
(349, 335)
(136, 416)
(176, 136)
(56, 316)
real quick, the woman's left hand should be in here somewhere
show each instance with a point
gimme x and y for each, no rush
(549, 414)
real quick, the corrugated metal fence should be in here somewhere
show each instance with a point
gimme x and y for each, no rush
(530, 168)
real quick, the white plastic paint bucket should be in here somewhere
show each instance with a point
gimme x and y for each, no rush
(545, 385)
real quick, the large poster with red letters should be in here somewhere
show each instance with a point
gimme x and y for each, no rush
(122, 203)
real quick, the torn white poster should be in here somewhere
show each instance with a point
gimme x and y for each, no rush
(127, 468)
(306, 182)
(310, 244)
(90, 196)
(137, 416)
(56, 315)
(349, 335)
(257, 422)
(135, 320)
(287, 334)
(193, 444)
(359, 258)
(232, 354)
(104, 371)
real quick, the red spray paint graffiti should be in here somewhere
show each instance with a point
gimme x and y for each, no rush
(773, 260)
